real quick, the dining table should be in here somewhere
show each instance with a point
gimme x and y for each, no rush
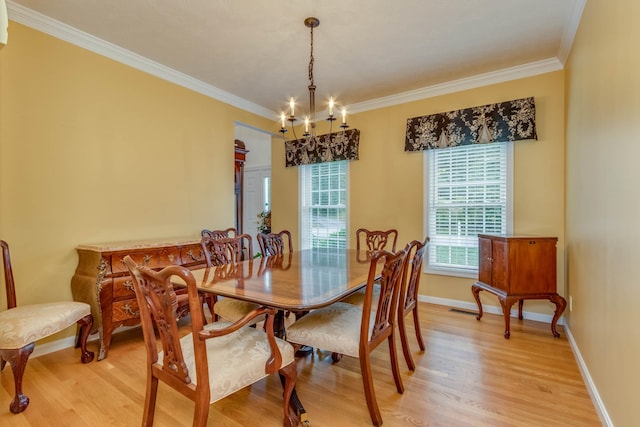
(297, 282)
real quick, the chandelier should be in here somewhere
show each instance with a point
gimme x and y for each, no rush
(310, 119)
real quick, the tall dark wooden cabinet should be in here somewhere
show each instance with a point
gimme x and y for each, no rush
(240, 158)
(515, 268)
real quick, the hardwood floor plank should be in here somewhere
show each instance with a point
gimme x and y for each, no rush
(468, 376)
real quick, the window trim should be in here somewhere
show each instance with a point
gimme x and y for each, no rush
(301, 171)
(448, 271)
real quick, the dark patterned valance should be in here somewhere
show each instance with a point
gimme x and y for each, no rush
(324, 148)
(504, 121)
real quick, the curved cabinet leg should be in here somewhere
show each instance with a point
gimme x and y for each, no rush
(475, 289)
(506, 304)
(520, 304)
(561, 304)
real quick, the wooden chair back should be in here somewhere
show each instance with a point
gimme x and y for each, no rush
(227, 250)
(219, 234)
(369, 241)
(390, 282)
(9, 284)
(275, 243)
(408, 296)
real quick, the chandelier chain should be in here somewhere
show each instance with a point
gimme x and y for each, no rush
(311, 60)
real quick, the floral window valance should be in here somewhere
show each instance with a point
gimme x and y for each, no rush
(342, 145)
(504, 121)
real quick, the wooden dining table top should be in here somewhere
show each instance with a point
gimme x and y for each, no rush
(301, 280)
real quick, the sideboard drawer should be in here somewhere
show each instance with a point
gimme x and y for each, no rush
(152, 259)
(125, 309)
(123, 288)
(192, 255)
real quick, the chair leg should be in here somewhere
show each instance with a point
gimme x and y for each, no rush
(369, 392)
(18, 358)
(289, 373)
(200, 414)
(416, 323)
(406, 351)
(395, 368)
(150, 400)
(84, 329)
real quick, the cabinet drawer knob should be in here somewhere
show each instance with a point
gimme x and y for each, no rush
(128, 285)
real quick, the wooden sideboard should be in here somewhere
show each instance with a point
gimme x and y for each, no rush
(515, 268)
(102, 279)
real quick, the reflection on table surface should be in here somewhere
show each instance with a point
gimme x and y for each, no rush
(301, 280)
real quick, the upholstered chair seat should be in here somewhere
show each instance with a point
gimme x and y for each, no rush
(25, 324)
(357, 298)
(334, 328)
(238, 372)
(232, 310)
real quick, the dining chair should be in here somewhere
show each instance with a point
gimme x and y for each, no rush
(21, 326)
(212, 361)
(408, 297)
(367, 243)
(216, 234)
(356, 331)
(275, 243)
(228, 250)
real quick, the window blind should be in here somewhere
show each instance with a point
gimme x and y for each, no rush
(467, 195)
(323, 205)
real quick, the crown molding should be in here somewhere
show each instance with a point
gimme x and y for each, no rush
(79, 38)
(480, 80)
(570, 30)
(84, 40)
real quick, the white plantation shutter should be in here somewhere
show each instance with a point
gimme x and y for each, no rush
(323, 205)
(468, 193)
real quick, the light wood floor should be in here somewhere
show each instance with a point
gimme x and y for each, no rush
(469, 376)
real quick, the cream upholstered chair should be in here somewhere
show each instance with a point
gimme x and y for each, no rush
(229, 250)
(408, 297)
(21, 326)
(212, 361)
(357, 330)
(275, 243)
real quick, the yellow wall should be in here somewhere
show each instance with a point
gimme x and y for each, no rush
(94, 151)
(603, 207)
(386, 183)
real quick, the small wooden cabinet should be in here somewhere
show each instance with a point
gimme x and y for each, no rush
(515, 268)
(102, 280)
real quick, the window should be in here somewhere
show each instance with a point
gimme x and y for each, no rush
(468, 192)
(323, 205)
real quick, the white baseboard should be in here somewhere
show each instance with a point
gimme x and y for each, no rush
(591, 387)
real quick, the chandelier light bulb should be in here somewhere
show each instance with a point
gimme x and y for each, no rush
(331, 107)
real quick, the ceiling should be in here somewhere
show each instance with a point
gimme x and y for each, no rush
(258, 50)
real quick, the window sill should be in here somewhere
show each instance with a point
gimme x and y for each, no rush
(452, 272)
